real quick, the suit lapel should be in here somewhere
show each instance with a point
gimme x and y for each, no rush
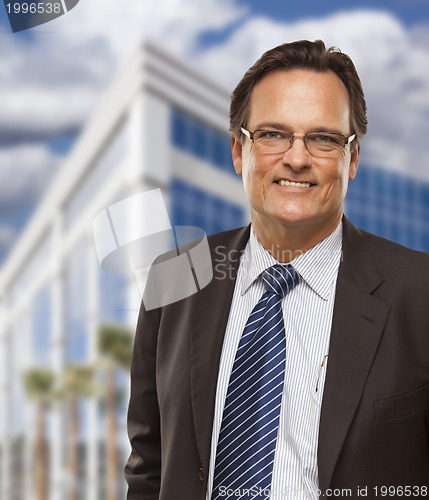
(358, 322)
(209, 316)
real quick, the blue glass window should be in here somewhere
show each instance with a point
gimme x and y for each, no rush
(201, 140)
(410, 191)
(425, 195)
(180, 130)
(390, 205)
(425, 241)
(220, 152)
(195, 207)
(112, 297)
(395, 184)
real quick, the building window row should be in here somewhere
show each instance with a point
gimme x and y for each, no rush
(191, 206)
(201, 140)
(391, 205)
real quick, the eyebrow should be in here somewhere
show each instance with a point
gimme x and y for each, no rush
(287, 128)
(272, 125)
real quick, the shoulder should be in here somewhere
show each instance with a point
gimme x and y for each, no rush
(179, 273)
(403, 271)
(227, 245)
(369, 260)
(393, 256)
(360, 246)
(233, 237)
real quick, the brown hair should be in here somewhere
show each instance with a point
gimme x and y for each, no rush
(306, 55)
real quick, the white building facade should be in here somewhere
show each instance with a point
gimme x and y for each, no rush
(161, 125)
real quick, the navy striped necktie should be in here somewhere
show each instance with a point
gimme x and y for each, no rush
(248, 434)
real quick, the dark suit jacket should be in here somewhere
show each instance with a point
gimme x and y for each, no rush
(374, 424)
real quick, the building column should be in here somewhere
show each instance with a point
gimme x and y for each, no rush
(58, 437)
(6, 405)
(93, 431)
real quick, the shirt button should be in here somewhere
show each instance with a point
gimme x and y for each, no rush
(201, 474)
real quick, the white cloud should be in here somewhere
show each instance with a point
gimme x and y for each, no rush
(52, 83)
(176, 23)
(44, 89)
(26, 170)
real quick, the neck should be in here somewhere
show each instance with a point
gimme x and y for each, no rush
(285, 242)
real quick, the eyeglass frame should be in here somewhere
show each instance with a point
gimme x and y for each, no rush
(348, 140)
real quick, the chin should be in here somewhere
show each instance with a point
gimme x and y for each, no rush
(289, 217)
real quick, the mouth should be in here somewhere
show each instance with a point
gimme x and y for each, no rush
(285, 182)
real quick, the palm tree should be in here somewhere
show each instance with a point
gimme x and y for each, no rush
(38, 383)
(77, 382)
(115, 345)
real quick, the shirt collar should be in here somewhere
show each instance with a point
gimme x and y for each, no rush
(318, 266)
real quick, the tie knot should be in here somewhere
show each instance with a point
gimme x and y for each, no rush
(280, 279)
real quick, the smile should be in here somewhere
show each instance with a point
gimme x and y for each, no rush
(284, 182)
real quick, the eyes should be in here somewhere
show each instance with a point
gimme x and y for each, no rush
(328, 140)
(320, 138)
(272, 135)
(325, 138)
(280, 141)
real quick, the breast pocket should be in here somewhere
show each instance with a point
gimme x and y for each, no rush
(402, 406)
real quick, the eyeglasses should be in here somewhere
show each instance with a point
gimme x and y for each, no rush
(317, 143)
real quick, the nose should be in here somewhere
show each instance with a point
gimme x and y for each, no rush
(297, 156)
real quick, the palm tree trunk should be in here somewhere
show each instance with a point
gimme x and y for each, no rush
(73, 449)
(40, 454)
(112, 470)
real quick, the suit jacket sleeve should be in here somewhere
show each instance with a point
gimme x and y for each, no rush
(143, 469)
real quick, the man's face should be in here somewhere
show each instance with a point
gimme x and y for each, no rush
(298, 101)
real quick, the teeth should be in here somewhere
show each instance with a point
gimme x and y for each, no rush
(283, 182)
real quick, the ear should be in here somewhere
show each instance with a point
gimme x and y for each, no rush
(237, 155)
(354, 161)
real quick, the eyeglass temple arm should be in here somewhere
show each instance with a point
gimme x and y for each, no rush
(247, 133)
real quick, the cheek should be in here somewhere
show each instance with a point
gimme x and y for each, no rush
(253, 172)
(335, 179)
(257, 174)
(342, 180)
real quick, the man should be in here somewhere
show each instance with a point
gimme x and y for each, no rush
(348, 413)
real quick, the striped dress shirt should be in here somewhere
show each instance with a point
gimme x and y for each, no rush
(307, 311)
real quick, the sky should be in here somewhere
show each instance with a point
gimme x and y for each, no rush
(52, 76)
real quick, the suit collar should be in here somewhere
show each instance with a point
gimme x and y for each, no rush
(358, 266)
(358, 322)
(318, 266)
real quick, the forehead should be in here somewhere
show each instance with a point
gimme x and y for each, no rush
(300, 98)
